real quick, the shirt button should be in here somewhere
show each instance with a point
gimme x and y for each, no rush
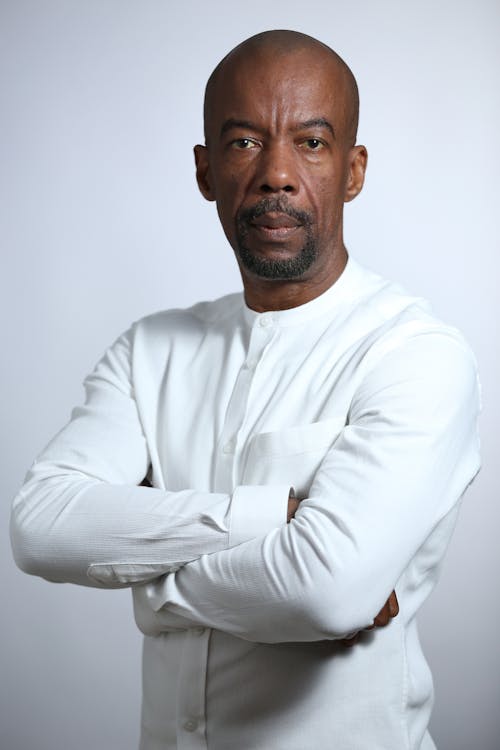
(190, 725)
(265, 321)
(229, 446)
(252, 364)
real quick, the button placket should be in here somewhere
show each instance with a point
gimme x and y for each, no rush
(229, 448)
(265, 320)
(191, 696)
(261, 336)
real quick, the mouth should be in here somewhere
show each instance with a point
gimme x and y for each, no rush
(275, 225)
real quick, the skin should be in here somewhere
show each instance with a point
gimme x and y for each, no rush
(280, 113)
(280, 160)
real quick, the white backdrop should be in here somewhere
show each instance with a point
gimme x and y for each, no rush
(101, 223)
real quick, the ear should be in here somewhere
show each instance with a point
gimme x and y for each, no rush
(358, 159)
(203, 172)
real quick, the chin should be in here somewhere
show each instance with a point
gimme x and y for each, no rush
(290, 268)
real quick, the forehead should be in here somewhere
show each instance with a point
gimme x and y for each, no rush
(278, 89)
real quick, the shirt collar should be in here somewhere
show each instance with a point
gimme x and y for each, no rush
(344, 289)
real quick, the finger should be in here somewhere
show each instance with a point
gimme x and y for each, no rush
(383, 616)
(349, 642)
(388, 611)
(393, 604)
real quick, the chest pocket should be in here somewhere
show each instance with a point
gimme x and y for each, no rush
(291, 456)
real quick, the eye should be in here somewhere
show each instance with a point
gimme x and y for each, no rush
(243, 144)
(313, 144)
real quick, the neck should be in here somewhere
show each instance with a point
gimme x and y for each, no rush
(264, 295)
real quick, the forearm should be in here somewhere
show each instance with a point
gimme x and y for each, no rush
(93, 533)
(74, 529)
(284, 587)
(396, 471)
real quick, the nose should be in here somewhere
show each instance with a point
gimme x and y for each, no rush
(277, 170)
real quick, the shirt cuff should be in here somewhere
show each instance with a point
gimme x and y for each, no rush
(256, 509)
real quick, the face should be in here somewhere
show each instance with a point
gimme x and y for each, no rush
(280, 167)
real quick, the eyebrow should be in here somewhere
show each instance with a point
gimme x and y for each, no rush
(231, 123)
(317, 122)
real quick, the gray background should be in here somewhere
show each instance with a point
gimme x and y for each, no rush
(101, 223)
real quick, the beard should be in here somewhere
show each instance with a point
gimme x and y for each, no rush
(271, 268)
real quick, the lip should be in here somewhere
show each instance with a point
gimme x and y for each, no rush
(275, 234)
(275, 226)
(274, 220)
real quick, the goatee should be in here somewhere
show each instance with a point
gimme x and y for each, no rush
(271, 268)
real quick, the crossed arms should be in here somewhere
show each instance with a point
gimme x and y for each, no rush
(397, 469)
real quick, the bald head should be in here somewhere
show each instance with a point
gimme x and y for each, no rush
(269, 47)
(280, 162)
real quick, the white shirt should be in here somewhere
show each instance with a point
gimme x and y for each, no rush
(365, 404)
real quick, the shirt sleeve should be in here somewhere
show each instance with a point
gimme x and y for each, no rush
(82, 518)
(402, 462)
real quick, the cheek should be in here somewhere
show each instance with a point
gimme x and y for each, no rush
(229, 191)
(327, 199)
(227, 208)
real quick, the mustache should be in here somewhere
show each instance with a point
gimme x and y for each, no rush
(277, 205)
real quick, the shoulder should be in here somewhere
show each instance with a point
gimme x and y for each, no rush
(164, 329)
(195, 318)
(149, 341)
(399, 320)
(403, 350)
(383, 300)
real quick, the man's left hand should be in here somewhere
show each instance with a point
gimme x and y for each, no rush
(388, 611)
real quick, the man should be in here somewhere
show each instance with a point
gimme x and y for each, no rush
(322, 378)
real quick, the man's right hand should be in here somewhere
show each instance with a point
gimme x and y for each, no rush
(293, 504)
